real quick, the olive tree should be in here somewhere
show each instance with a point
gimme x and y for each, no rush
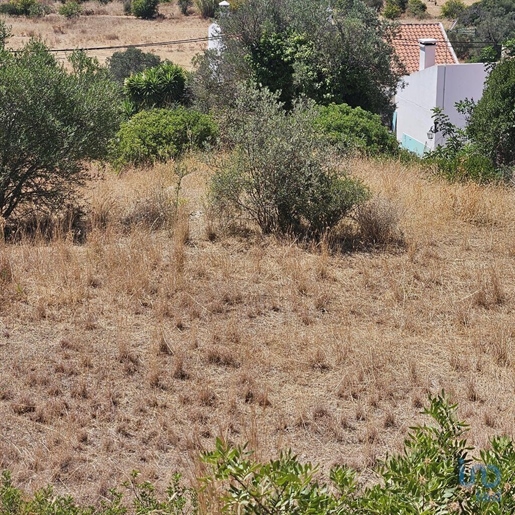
(51, 122)
(279, 173)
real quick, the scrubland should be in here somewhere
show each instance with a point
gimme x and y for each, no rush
(107, 26)
(136, 348)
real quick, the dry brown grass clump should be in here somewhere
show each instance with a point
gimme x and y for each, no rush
(138, 347)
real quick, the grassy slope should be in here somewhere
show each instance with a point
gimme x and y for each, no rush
(136, 349)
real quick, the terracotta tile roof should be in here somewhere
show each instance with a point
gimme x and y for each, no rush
(407, 47)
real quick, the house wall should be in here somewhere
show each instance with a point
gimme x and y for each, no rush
(437, 86)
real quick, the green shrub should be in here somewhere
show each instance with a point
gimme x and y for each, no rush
(53, 122)
(5, 33)
(146, 9)
(31, 8)
(279, 174)
(417, 8)
(207, 8)
(463, 157)
(70, 9)
(375, 4)
(354, 129)
(435, 474)
(160, 135)
(160, 86)
(452, 9)
(392, 10)
(124, 64)
(184, 6)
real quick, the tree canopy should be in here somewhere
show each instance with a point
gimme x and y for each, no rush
(340, 54)
(482, 29)
(51, 121)
(492, 123)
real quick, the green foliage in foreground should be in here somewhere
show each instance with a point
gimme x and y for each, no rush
(436, 474)
(161, 134)
(354, 129)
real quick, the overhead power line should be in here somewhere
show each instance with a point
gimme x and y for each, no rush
(138, 45)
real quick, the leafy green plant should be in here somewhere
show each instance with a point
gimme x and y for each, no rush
(391, 10)
(417, 8)
(146, 9)
(435, 474)
(161, 86)
(31, 8)
(5, 33)
(160, 135)
(492, 122)
(452, 9)
(279, 173)
(461, 157)
(297, 48)
(70, 9)
(184, 6)
(206, 8)
(356, 130)
(124, 64)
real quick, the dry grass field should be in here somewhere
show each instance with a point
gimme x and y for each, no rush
(106, 25)
(139, 347)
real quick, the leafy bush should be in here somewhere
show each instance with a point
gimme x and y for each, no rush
(31, 8)
(5, 33)
(207, 8)
(375, 4)
(279, 173)
(492, 121)
(354, 129)
(436, 473)
(452, 9)
(461, 158)
(160, 135)
(124, 64)
(417, 8)
(392, 10)
(70, 9)
(160, 86)
(184, 6)
(146, 9)
(295, 47)
(179, 500)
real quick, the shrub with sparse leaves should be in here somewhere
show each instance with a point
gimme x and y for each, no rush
(279, 173)
(160, 86)
(124, 64)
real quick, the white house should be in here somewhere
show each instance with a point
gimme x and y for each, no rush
(439, 80)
